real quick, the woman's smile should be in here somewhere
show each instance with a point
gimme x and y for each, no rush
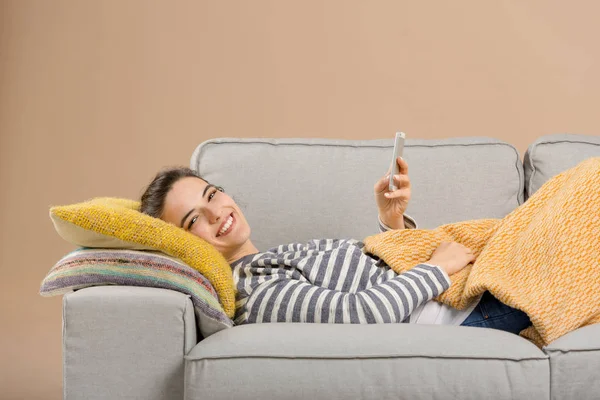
(226, 226)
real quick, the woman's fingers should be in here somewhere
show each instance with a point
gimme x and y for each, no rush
(402, 167)
(382, 184)
(397, 193)
(400, 180)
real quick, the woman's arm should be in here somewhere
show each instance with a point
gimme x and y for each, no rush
(284, 300)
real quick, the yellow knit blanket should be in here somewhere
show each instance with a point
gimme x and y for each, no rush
(543, 258)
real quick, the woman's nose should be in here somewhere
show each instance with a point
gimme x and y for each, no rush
(211, 215)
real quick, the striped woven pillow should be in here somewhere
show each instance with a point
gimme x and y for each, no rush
(95, 267)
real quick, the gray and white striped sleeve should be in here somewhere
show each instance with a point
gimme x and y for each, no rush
(409, 223)
(285, 300)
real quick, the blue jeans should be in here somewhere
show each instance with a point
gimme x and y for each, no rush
(491, 313)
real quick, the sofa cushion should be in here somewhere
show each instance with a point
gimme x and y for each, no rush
(385, 361)
(552, 154)
(574, 364)
(98, 267)
(295, 190)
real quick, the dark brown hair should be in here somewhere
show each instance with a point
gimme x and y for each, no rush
(153, 199)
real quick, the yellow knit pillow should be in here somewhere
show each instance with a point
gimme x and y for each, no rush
(117, 223)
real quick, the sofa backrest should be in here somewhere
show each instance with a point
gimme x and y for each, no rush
(552, 154)
(294, 190)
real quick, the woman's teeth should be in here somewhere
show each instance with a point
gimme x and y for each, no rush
(226, 226)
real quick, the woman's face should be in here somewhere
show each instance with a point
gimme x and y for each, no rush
(204, 211)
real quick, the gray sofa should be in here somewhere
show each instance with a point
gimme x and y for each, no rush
(142, 343)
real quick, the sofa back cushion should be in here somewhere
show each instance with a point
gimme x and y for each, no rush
(294, 190)
(552, 154)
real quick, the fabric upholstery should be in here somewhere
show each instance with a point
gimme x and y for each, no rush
(122, 342)
(551, 154)
(382, 361)
(574, 364)
(301, 182)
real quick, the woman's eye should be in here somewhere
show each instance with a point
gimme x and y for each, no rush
(210, 196)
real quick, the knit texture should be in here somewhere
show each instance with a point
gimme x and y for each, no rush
(120, 218)
(543, 258)
(100, 267)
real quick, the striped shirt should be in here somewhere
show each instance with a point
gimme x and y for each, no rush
(330, 281)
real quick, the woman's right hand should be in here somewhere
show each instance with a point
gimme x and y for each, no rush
(452, 257)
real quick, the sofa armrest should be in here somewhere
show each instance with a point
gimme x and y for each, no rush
(574, 364)
(123, 342)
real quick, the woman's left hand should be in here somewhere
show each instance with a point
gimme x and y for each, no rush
(392, 205)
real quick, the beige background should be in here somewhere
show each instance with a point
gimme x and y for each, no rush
(96, 96)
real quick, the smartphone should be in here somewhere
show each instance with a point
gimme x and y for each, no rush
(398, 148)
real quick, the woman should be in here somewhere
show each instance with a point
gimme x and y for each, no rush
(324, 280)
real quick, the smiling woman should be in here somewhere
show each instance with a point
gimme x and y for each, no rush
(183, 198)
(324, 280)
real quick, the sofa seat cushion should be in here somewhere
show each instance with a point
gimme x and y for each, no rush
(334, 361)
